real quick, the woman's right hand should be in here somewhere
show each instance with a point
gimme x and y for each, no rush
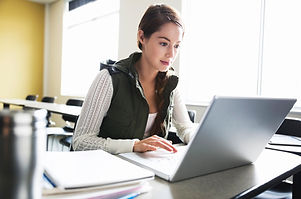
(152, 143)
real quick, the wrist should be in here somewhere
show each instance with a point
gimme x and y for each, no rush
(135, 143)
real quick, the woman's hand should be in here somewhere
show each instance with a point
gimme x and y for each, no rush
(152, 143)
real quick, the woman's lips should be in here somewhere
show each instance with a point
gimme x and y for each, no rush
(166, 63)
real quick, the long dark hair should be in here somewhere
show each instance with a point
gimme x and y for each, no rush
(155, 17)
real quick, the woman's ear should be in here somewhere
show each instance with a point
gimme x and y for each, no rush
(140, 36)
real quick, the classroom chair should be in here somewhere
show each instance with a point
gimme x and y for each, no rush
(68, 129)
(67, 140)
(32, 97)
(48, 99)
(283, 190)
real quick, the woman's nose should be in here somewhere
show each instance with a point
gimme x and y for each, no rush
(170, 52)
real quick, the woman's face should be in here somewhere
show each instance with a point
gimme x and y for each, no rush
(161, 48)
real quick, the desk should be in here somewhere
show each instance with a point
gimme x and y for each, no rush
(286, 143)
(52, 107)
(241, 182)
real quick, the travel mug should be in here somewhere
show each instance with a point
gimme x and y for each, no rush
(22, 143)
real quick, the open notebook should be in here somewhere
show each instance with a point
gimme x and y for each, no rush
(233, 132)
(71, 170)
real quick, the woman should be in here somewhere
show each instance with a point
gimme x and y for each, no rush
(130, 104)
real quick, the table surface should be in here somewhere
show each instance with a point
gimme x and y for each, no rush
(52, 107)
(271, 166)
(241, 182)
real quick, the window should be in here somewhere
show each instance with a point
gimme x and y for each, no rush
(91, 34)
(241, 47)
(281, 71)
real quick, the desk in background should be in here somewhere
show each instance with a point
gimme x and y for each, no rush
(52, 107)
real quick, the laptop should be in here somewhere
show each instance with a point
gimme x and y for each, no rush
(233, 132)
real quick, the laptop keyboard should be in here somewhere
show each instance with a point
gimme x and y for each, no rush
(159, 161)
(162, 160)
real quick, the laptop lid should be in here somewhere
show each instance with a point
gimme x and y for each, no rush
(233, 132)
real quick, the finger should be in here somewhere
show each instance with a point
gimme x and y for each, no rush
(167, 142)
(152, 139)
(148, 147)
(163, 145)
(160, 142)
(149, 139)
(139, 146)
(173, 149)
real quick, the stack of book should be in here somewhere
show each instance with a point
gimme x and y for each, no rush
(92, 174)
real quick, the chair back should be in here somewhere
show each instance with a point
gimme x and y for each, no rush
(32, 97)
(290, 126)
(72, 102)
(48, 99)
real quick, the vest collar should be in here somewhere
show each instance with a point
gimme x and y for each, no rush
(128, 65)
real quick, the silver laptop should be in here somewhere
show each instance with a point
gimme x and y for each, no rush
(233, 132)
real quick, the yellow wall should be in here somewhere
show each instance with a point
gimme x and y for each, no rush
(21, 48)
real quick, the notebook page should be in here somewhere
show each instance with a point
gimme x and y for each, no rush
(90, 168)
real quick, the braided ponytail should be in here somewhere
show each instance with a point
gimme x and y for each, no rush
(158, 127)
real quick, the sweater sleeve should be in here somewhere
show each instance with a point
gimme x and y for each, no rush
(95, 107)
(185, 128)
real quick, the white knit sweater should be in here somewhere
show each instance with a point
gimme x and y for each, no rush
(95, 107)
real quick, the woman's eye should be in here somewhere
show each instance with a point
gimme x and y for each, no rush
(163, 43)
(177, 46)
